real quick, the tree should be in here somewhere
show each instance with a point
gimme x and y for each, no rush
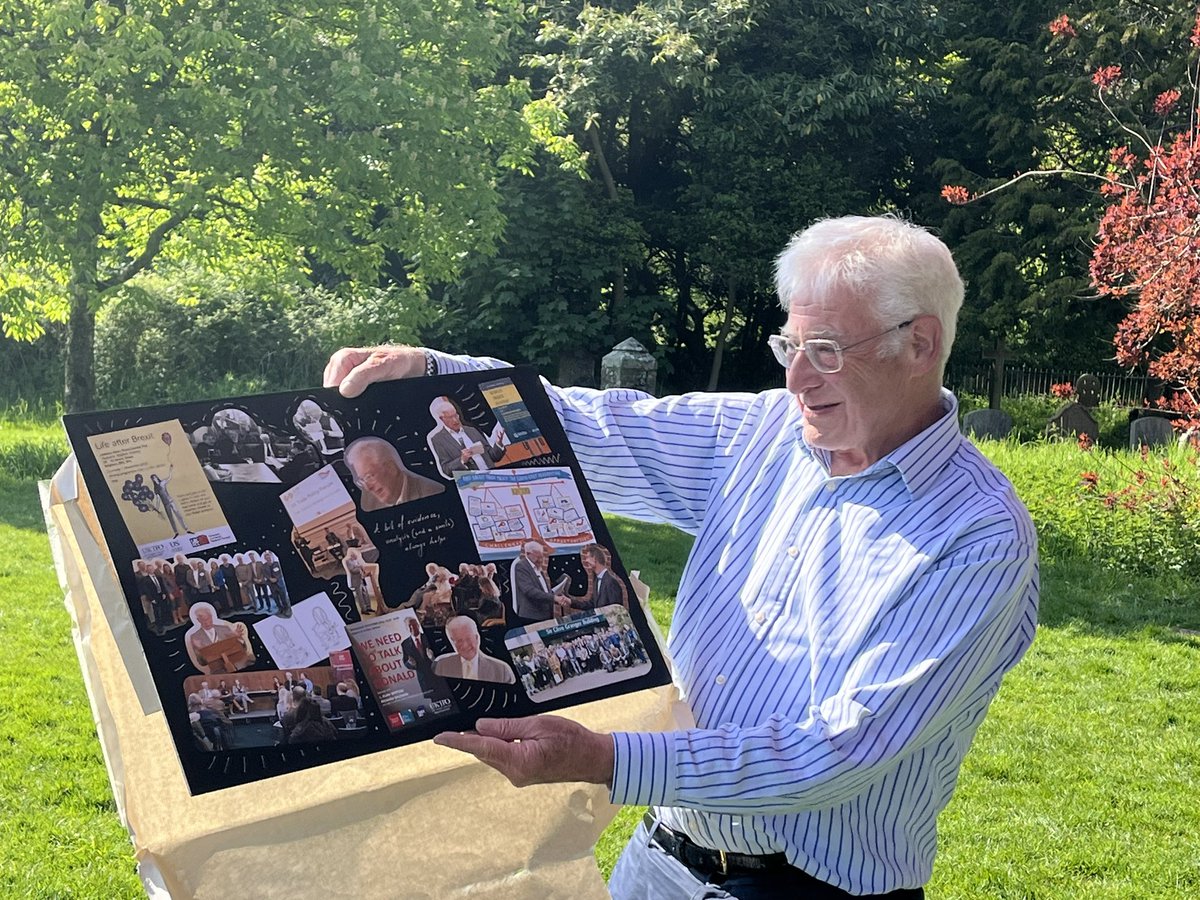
(1148, 246)
(1019, 100)
(243, 133)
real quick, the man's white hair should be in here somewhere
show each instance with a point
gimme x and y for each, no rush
(441, 405)
(897, 269)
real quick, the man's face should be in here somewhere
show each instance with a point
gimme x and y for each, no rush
(858, 412)
(450, 419)
(376, 474)
(465, 640)
(537, 556)
(204, 618)
(413, 628)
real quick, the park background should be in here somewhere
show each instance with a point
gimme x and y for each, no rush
(200, 199)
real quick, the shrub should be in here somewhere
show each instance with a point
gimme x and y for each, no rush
(181, 339)
(1126, 511)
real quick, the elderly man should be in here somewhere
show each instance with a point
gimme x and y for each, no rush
(458, 447)
(532, 594)
(861, 579)
(466, 661)
(382, 477)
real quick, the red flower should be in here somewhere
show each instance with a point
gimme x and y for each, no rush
(1165, 102)
(1062, 25)
(1106, 76)
(1196, 31)
(1085, 441)
(1062, 391)
(956, 194)
(1089, 480)
(1110, 500)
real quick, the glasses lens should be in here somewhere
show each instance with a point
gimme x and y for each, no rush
(783, 349)
(826, 356)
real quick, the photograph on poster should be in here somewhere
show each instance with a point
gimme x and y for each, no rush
(458, 445)
(319, 428)
(394, 652)
(215, 645)
(324, 524)
(524, 438)
(577, 653)
(271, 708)
(233, 448)
(382, 478)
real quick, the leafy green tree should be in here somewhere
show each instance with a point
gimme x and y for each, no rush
(244, 133)
(712, 132)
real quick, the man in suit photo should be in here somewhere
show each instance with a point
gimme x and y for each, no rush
(533, 597)
(466, 661)
(458, 447)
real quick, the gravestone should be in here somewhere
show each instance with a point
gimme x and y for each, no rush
(628, 365)
(1072, 420)
(999, 355)
(988, 423)
(1150, 431)
(1087, 391)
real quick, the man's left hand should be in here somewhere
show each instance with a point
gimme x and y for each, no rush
(537, 750)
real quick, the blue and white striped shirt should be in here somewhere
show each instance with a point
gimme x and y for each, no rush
(838, 639)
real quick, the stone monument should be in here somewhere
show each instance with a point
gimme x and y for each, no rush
(629, 365)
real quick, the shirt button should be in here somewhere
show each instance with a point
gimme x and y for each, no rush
(760, 617)
(830, 486)
(720, 679)
(793, 552)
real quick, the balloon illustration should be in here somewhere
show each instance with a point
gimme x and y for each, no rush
(166, 439)
(137, 492)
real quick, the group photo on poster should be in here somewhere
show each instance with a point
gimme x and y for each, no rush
(352, 575)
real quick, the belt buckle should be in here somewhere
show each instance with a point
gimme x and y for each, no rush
(724, 859)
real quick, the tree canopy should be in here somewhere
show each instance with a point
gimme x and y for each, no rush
(244, 133)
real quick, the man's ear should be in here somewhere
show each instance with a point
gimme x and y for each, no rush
(926, 342)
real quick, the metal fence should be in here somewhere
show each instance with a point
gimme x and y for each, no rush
(1124, 390)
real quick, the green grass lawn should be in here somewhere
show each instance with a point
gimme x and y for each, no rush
(1081, 784)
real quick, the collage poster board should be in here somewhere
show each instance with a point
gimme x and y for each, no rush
(313, 578)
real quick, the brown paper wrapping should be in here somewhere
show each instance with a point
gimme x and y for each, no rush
(420, 821)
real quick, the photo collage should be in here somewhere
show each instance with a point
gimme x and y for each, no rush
(353, 574)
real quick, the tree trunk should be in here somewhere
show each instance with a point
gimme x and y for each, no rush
(79, 393)
(723, 335)
(610, 188)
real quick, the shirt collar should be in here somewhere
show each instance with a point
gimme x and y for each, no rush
(918, 460)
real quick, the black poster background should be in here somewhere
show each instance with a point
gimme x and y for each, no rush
(397, 411)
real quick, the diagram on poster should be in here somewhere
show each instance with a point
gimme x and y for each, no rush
(506, 508)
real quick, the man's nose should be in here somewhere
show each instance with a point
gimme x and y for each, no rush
(802, 375)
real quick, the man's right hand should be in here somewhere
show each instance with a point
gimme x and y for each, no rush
(350, 370)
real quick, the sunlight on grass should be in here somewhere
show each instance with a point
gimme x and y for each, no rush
(1081, 782)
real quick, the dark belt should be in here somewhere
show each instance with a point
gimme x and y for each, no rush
(706, 860)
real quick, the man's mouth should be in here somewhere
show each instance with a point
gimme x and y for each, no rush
(817, 408)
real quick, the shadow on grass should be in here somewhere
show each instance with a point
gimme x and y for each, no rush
(20, 506)
(1079, 595)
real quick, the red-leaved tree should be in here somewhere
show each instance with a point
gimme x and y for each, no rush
(1147, 249)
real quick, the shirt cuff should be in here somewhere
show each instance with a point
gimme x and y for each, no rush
(448, 364)
(643, 774)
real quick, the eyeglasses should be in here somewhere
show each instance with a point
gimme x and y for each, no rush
(825, 354)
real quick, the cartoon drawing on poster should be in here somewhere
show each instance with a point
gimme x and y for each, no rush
(161, 491)
(506, 508)
(309, 635)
